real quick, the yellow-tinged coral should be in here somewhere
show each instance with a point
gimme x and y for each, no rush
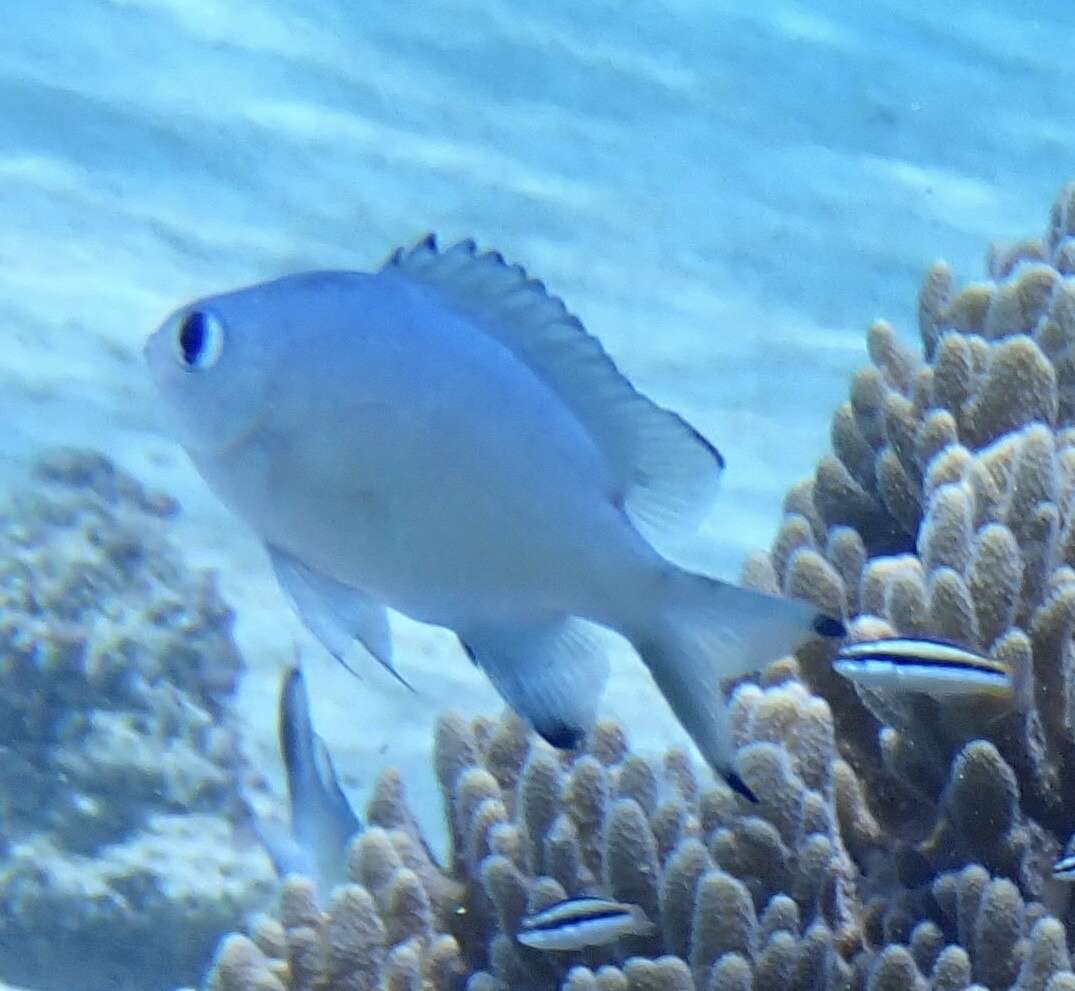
(953, 474)
(946, 510)
(716, 876)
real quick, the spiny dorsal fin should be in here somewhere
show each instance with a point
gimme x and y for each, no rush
(668, 473)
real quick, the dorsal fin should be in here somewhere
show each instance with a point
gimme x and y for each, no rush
(667, 472)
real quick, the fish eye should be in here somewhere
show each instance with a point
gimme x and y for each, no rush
(199, 340)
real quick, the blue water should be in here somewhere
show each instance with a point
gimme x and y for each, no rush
(726, 192)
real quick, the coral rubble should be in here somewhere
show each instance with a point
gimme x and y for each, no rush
(119, 787)
(900, 843)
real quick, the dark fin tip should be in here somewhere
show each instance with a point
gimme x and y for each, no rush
(468, 650)
(561, 736)
(707, 444)
(826, 626)
(701, 439)
(739, 786)
(429, 241)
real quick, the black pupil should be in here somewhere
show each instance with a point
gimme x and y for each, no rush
(192, 333)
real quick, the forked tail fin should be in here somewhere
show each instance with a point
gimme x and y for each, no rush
(708, 631)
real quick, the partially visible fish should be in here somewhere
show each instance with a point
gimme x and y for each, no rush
(934, 667)
(444, 438)
(576, 923)
(1064, 868)
(322, 820)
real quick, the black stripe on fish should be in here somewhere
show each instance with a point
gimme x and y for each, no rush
(901, 660)
(904, 653)
(573, 912)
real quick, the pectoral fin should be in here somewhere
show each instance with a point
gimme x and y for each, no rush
(337, 614)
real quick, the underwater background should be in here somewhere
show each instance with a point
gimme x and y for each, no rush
(727, 194)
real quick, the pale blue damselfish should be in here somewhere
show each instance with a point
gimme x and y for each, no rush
(442, 437)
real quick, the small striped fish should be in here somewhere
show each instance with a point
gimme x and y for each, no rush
(937, 668)
(580, 922)
(1064, 868)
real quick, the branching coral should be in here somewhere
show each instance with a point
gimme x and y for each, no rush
(764, 898)
(730, 886)
(947, 510)
(119, 789)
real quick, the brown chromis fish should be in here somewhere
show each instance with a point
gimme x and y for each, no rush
(442, 437)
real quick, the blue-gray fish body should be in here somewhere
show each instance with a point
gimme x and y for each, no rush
(576, 923)
(443, 438)
(408, 493)
(322, 820)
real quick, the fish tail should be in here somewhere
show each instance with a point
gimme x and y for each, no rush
(706, 631)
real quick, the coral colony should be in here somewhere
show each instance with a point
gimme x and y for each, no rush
(120, 794)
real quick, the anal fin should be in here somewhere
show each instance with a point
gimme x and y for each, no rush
(552, 674)
(337, 614)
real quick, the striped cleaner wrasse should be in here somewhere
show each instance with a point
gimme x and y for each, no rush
(1064, 868)
(933, 667)
(580, 922)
